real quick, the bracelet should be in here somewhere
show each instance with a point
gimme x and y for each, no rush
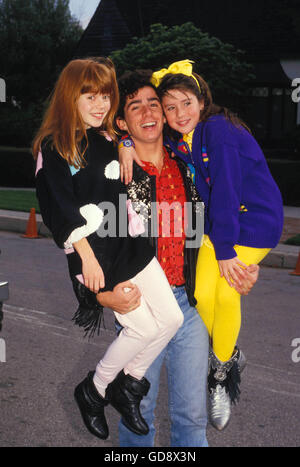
(126, 143)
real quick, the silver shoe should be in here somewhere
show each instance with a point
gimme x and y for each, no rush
(241, 361)
(223, 387)
(219, 407)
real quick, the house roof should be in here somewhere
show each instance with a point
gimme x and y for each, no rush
(106, 31)
(268, 30)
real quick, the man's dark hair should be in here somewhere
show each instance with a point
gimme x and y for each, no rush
(130, 83)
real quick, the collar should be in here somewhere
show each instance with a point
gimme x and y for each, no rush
(188, 138)
(165, 159)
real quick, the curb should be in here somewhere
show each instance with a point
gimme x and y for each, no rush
(13, 221)
(283, 256)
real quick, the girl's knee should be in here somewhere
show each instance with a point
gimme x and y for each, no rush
(147, 333)
(228, 297)
(173, 321)
(151, 334)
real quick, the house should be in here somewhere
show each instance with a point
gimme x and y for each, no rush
(267, 30)
(106, 31)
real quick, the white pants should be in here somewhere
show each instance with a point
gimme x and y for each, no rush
(146, 330)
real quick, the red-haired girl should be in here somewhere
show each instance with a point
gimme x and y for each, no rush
(77, 177)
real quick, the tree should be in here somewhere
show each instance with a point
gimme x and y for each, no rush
(37, 38)
(220, 64)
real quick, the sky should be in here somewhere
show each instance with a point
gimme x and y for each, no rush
(83, 10)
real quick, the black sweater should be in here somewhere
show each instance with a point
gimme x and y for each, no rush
(63, 191)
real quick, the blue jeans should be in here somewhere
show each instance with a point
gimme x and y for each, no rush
(186, 359)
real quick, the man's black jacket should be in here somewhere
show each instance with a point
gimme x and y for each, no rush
(142, 193)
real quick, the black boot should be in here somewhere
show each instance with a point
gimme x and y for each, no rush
(125, 394)
(91, 405)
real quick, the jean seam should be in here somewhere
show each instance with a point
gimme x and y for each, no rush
(170, 395)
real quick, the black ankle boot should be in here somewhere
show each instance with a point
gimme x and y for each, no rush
(125, 394)
(91, 405)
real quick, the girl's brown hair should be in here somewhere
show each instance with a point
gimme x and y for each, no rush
(62, 122)
(202, 92)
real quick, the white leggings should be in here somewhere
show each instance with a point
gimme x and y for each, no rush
(146, 330)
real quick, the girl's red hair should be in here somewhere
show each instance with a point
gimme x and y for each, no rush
(62, 122)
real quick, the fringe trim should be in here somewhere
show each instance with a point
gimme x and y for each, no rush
(89, 319)
(231, 383)
(89, 314)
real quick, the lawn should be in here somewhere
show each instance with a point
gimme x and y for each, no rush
(293, 240)
(18, 200)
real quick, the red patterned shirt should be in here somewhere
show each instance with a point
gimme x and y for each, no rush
(170, 243)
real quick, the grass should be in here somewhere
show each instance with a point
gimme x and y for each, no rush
(293, 240)
(18, 200)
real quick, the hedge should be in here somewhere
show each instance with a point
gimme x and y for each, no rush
(17, 170)
(287, 176)
(16, 167)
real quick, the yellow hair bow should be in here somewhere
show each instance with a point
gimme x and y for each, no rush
(184, 67)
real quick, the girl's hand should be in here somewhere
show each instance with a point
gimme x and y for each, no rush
(92, 274)
(126, 157)
(91, 270)
(233, 270)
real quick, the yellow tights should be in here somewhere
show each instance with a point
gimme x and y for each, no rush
(218, 304)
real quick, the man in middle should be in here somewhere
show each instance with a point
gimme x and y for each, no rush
(164, 179)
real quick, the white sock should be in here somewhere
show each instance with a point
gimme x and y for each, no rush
(100, 385)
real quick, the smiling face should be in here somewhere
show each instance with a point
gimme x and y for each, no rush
(182, 110)
(144, 118)
(93, 108)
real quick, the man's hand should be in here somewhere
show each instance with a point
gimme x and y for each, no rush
(120, 299)
(252, 272)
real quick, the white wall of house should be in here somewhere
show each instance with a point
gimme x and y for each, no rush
(2, 90)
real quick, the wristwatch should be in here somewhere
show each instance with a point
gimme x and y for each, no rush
(126, 142)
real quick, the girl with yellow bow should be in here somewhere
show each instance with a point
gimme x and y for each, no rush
(243, 215)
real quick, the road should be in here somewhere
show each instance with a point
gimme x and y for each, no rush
(46, 356)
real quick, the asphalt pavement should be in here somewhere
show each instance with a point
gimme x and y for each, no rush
(46, 356)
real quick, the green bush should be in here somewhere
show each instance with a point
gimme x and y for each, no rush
(287, 176)
(18, 126)
(292, 140)
(16, 167)
(286, 147)
(293, 240)
(213, 58)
